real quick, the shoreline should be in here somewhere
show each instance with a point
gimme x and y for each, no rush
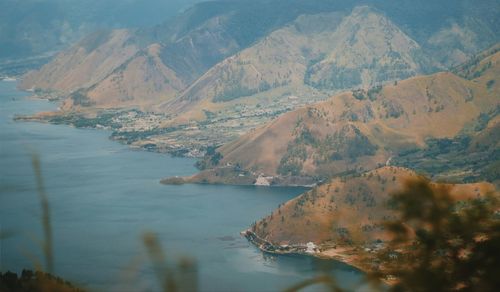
(230, 174)
(351, 256)
(178, 180)
(102, 121)
(128, 138)
(344, 255)
(210, 176)
(248, 181)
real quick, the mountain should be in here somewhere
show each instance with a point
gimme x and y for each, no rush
(32, 31)
(363, 129)
(323, 51)
(344, 217)
(474, 153)
(347, 203)
(89, 61)
(369, 50)
(142, 81)
(187, 46)
(467, 157)
(220, 51)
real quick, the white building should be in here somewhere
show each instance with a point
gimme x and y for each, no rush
(311, 247)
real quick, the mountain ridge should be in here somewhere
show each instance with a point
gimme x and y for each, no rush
(262, 67)
(218, 26)
(360, 130)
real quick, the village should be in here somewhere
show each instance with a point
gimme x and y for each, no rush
(151, 131)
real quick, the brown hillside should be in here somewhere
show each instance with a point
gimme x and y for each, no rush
(326, 51)
(347, 210)
(322, 52)
(86, 63)
(116, 70)
(141, 82)
(363, 129)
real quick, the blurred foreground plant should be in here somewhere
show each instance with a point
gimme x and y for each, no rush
(441, 244)
(38, 280)
(182, 277)
(46, 224)
(327, 281)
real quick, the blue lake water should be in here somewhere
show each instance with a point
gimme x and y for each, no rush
(104, 196)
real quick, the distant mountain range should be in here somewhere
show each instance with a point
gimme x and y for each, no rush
(324, 52)
(378, 61)
(32, 31)
(218, 52)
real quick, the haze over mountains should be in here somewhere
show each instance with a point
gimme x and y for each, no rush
(217, 52)
(222, 61)
(34, 30)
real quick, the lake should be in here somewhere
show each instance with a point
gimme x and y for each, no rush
(104, 196)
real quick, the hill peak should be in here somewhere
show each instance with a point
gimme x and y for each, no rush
(363, 10)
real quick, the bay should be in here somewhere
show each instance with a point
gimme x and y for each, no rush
(103, 198)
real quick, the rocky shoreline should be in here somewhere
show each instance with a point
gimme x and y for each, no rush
(352, 256)
(268, 247)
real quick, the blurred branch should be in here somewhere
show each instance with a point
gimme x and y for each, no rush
(6, 234)
(180, 278)
(47, 227)
(326, 280)
(158, 259)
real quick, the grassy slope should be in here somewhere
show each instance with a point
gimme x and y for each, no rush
(356, 204)
(322, 51)
(84, 64)
(345, 217)
(209, 32)
(141, 82)
(397, 117)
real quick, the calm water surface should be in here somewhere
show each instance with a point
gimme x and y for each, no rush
(104, 196)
